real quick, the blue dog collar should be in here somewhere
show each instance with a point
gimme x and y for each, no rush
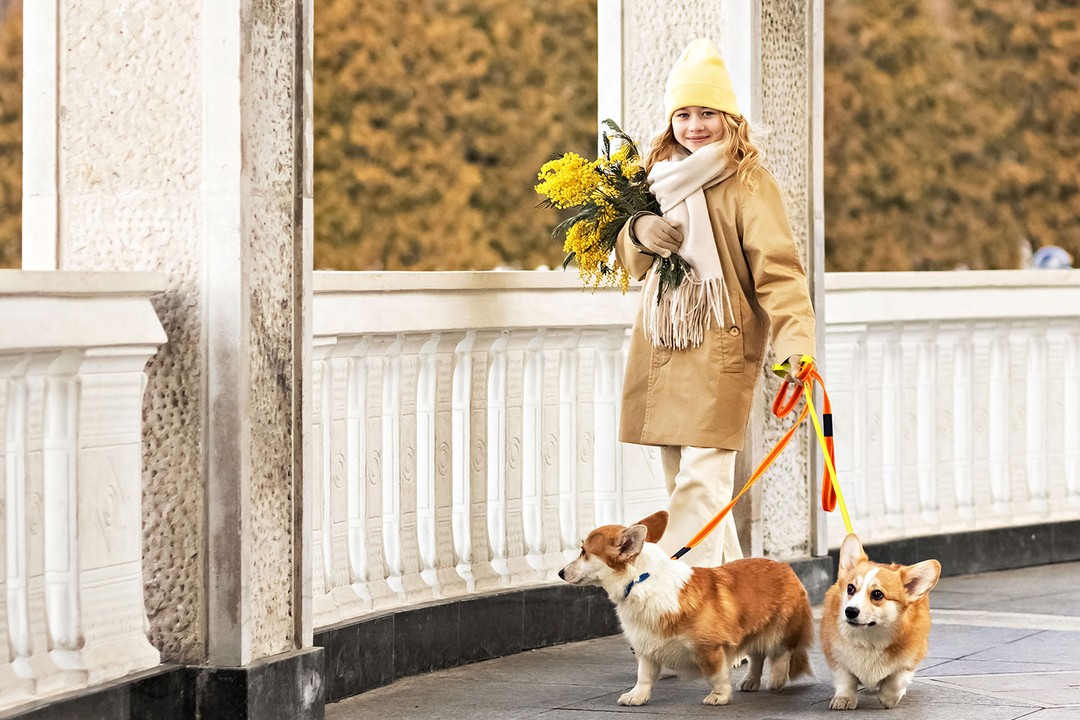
(630, 585)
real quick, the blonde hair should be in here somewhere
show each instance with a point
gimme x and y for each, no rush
(742, 153)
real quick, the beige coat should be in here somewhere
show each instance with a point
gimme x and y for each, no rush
(701, 396)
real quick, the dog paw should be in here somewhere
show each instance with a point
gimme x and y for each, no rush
(775, 683)
(634, 697)
(749, 685)
(890, 700)
(844, 702)
(718, 698)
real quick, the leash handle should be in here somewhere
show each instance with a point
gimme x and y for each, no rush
(782, 404)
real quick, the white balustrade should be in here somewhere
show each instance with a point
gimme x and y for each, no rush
(73, 347)
(956, 399)
(472, 420)
(477, 444)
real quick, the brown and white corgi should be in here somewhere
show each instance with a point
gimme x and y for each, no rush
(875, 626)
(697, 619)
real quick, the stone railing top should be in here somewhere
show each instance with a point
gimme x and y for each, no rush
(56, 310)
(60, 283)
(988, 295)
(841, 281)
(384, 302)
(332, 281)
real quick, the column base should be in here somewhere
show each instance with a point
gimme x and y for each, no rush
(283, 687)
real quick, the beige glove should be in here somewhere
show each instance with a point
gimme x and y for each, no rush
(655, 234)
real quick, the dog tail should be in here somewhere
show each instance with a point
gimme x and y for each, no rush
(799, 664)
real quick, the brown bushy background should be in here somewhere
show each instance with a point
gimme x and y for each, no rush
(952, 130)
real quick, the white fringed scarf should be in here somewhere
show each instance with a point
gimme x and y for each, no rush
(681, 317)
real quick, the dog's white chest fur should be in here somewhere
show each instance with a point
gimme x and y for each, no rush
(671, 651)
(860, 652)
(649, 602)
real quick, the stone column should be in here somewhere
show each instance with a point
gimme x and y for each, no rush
(770, 52)
(181, 146)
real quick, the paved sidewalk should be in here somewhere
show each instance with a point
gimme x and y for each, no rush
(1005, 645)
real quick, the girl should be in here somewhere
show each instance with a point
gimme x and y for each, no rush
(695, 356)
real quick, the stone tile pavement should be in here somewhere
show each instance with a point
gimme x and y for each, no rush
(1004, 645)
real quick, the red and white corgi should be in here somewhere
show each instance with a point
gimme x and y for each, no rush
(701, 619)
(875, 626)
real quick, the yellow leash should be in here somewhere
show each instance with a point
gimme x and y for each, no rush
(808, 393)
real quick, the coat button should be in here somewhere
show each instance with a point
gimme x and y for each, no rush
(733, 331)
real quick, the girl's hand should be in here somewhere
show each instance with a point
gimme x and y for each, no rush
(656, 235)
(794, 365)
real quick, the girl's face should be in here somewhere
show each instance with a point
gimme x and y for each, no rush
(695, 127)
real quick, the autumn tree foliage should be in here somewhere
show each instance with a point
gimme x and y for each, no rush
(10, 134)
(951, 132)
(431, 121)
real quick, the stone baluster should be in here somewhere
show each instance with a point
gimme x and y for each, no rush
(608, 382)
(338, 488)
(532, 391)
(15, 686)
(1035, 426)
(434, 436)
(322, 604)
(567, 447)
(585, 433)
(963, 382)
(504, 444)
(61, 508)
(461, 457)
(551, 439)
(469, 455)
(366, 545)
(925, 419)
(891, 366)
(999, 391)
(26, 572)
(1070, 409)
(398, 442)
(497, 441)
(981, 333)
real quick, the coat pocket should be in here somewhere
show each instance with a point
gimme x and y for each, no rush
(659, 355)
(728, 344)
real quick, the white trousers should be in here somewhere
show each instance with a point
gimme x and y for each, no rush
(700, 482)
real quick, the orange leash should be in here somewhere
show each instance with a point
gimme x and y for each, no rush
(782, 407)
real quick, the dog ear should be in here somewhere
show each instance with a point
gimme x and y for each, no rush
(656, 524)
(920, 578)
(851, 553)
(631, 541)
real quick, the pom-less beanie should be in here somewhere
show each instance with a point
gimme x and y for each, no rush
(700, 78)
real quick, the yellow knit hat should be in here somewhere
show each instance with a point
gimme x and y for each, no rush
(700, 78)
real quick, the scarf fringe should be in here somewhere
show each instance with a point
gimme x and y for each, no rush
(682, 316)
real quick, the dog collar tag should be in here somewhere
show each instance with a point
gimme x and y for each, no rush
(630, 585)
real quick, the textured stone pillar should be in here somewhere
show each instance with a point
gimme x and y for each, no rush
(180, 148)
(768, 47)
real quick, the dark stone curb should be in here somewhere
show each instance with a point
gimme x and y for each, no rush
(353, 657)
(978, 551)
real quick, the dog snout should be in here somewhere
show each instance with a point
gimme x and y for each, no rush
(851, 612)
(562, 574)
